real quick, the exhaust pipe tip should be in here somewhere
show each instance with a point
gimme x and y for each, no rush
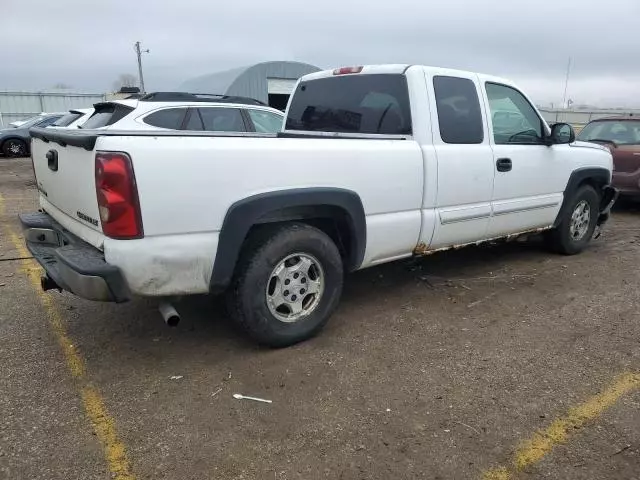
(47, 283)
(173, 320)
(169, 314)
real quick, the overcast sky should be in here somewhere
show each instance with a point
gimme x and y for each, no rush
(87, 44)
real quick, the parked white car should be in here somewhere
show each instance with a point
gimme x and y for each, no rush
(74, 118)
(185, 111)
(376, 164)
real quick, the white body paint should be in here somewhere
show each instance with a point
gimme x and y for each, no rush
(418, 193)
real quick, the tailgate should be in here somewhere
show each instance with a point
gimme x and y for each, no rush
(65, 176)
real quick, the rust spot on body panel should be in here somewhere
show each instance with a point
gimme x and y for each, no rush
(422, 249)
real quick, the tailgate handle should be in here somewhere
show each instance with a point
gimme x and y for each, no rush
(52, 160)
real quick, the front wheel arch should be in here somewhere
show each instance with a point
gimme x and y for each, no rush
(596, 177)
(561, 239)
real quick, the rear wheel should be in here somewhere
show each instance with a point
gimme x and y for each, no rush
(287, 284)
(576, 227)
(14, 148)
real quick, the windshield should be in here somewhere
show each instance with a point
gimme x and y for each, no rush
(622, 132)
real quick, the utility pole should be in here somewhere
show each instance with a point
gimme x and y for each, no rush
(139, 53)
(566, 85)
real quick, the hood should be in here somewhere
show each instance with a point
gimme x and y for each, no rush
(596, 146)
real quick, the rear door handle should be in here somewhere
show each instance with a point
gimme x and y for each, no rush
(504, 164)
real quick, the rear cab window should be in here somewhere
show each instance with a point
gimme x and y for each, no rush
(357, 104)
(107, 114)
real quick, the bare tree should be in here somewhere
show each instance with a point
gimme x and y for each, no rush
(125, 80)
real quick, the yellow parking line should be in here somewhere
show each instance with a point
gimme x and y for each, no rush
(102, 423)
(29, 267)
(542, 442)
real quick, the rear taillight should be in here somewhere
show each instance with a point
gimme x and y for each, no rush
(117, 196)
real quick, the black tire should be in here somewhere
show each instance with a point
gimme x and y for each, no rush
(264, 251)
(560, 239)
(15, 147)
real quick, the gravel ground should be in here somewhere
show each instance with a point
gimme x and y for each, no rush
(436, 369)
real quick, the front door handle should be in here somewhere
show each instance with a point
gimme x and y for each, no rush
(504, 164)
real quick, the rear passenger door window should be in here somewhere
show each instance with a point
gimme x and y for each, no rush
(218, 119)
(170, 118)
(459, 114)
(513, 118)
(194, 122)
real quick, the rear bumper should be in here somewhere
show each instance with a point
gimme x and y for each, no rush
(70, 263)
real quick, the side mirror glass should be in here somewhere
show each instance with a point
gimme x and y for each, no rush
(562, 133)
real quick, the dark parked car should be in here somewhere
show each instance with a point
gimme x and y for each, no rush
(622, 136)
(14, 141)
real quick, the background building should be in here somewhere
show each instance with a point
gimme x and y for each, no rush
(269, 82)
(22, 105)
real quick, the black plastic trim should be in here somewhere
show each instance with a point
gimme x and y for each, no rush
(262, 208)
(198, 97)
(76, 255)
(249, 126)
(342, 136)
(65, 137)
(599, 176)
(87, 138)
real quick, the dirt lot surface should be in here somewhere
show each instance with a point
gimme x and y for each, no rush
(442, 368)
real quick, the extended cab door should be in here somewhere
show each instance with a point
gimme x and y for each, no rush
(530, 176)
(464, 158)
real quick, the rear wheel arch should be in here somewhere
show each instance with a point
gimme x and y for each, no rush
(338, 212)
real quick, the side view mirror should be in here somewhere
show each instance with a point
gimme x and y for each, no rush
(561, 133)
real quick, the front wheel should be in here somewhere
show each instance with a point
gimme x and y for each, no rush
(14, 148)
(578, 223)
(287, 284)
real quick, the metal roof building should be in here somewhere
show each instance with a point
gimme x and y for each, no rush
(269, 82)
(22, 105)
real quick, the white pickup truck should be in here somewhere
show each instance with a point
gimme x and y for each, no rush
(375, 164)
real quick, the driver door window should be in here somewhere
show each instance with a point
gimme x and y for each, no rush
(513, 118)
